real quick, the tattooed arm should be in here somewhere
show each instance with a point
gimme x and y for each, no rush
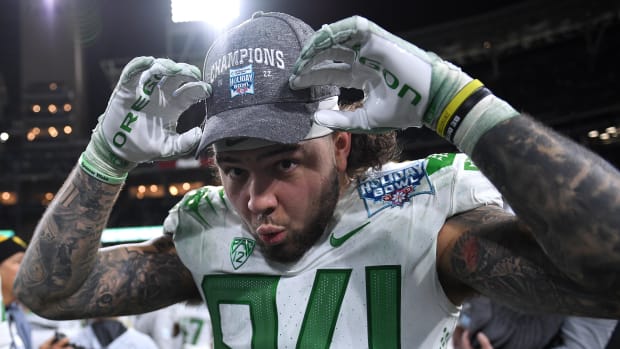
(66, 275)
(567, 202)
(491, 252)
(568, 196)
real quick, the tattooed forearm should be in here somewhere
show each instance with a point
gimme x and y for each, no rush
(64, 246)
(131, 279)
(500, 259)
(566, 194)
(66, 275)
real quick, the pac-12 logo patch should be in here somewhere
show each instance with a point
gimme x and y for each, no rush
(241, 81)
(240, 250)
(394, 188)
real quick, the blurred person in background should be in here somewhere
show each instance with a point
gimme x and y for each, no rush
(160, 326)
(43, 329)
(182, 325)
(194, 326)
(111, 333)
(485, 324)
(15, 329)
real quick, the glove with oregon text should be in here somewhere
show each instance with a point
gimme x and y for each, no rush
(404, 86)
(139, 123)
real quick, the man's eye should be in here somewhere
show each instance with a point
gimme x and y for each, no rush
(287, 165)
(234, 172)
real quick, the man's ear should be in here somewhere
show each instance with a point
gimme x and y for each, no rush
(342, 148)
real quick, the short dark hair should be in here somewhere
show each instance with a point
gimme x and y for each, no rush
(371, 151)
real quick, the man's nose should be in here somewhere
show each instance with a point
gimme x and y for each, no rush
(262, 197)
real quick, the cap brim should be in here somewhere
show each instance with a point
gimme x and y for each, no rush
(285, 123)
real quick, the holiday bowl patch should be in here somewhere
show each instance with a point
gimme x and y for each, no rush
(394, 188)
(241, 81)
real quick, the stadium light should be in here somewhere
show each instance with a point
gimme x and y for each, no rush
(130, 234)
(216, 13)
(7, 233)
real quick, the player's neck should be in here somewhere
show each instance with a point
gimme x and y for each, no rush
(345, 183)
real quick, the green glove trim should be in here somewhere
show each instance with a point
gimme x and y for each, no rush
(94, 172)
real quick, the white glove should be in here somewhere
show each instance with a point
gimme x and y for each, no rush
(404, 85)
(139, 123)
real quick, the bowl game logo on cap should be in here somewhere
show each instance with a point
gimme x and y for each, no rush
(268, 56)
(241, 81)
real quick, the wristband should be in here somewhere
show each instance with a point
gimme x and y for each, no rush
(94, 172)
(473, 111)
(483, 116)
(449, 112)
(462, 111)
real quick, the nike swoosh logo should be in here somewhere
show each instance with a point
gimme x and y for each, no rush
(337, 242)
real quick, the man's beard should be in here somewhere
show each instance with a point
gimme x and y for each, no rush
(301, 241)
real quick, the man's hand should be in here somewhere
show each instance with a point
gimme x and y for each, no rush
(404, 85)
(482, 339)
(139, 123)
(58, 341)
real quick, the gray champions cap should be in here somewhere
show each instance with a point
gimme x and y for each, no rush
(248, 68)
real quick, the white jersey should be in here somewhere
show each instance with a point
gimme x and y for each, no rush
(43, 329)
(130, 339)
(5, 331)
(369, 282)
(160, 325)
(195, 326)
(179, 326)
(8, 336)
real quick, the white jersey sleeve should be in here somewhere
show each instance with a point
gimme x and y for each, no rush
(470, 189)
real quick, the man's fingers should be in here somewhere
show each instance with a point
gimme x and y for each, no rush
(188, 140)
(338, 74)
(343, 120)
(319, 58)
(174, 145)
(465, 343)
(134, 67)
(484, 341)
(193, 91)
